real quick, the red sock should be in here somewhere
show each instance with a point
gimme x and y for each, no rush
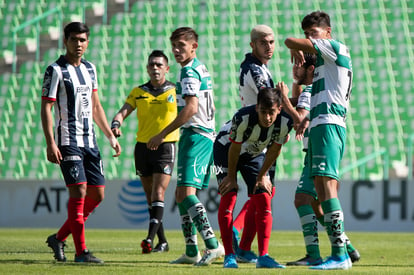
(88, 208)
(77, 225)
(249, 230)
(238, 223)
(264, 221)
(225, 220)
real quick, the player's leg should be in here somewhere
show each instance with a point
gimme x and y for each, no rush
(160, 185)
(305, 196)
(326, 146)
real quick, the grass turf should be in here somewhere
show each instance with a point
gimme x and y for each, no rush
(24, 251)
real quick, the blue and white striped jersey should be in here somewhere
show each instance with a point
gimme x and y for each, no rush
(71, 88)
(254, 75)
(245, 129)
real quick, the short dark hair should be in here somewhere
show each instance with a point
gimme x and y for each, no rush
(318, 18)
(310, 59)
(267, 97)
(158, 53)
(76, 27)
(187, 32)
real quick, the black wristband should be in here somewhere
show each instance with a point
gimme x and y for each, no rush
(115, 124)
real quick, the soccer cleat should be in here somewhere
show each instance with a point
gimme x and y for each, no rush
(87, 257)
(354, 255)
(230, 261)
(306, 261)
(236, 239)
(58, 248)
(266, 261)
(161, 247)
(184, 259)
(244, 256)
(146, 246)
(210, 255)
(334, 262)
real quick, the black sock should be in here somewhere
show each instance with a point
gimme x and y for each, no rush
(157, 211)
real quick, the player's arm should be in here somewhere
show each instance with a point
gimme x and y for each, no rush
(52, 151)
(297, 46)
(100, 119)
(287, 104)
(230, 181)
(190, 109)
(119, 118)
(263, 181)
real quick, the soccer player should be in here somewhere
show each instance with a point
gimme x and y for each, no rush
(70, 86)
(306, 200)
(240, 146)
(254, 75)
(331, 89)
(195, 148)
(156, 105)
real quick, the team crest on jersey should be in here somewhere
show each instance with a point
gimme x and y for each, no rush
(170, 99)
(74, 171)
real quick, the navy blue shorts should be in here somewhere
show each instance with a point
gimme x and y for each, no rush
(82, 165)
(248, 166)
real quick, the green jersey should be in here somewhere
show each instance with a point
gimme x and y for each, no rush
(332, 83)
(195, 80)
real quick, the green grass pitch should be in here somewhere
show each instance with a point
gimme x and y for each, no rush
(23, 251)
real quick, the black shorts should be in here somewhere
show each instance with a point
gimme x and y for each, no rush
(82, 165)
(148, 162)
(248, 166)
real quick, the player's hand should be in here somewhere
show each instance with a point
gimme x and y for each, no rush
(283, 88)
(53, 154)
(263, 183)
(226, 185)
(154, 142)
(300, 129)
(297, 57)
(115, 145)
(117, 132)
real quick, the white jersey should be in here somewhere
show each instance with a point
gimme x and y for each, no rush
(195, 80)
(254, 75)
(332, 83)
(71, 88)
(244, 129)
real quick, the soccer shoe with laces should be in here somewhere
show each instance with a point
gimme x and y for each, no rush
(266, 261)
(161, 247)
(58, 248)
(184, 259)
(146, 246)
(244, 256)
(87, 257)
(334, 262)
(210, 255)
(230, 261)
(306, 261)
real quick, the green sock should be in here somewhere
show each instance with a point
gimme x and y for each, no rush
(349, 246)
(189, 232)
(198, 213)
(334, 222)
(309, 230)
(321, 220)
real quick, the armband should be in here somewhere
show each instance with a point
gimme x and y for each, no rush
(115, 124)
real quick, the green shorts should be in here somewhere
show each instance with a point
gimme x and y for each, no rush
(305, 184)
(326, 148)
(195, 159)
